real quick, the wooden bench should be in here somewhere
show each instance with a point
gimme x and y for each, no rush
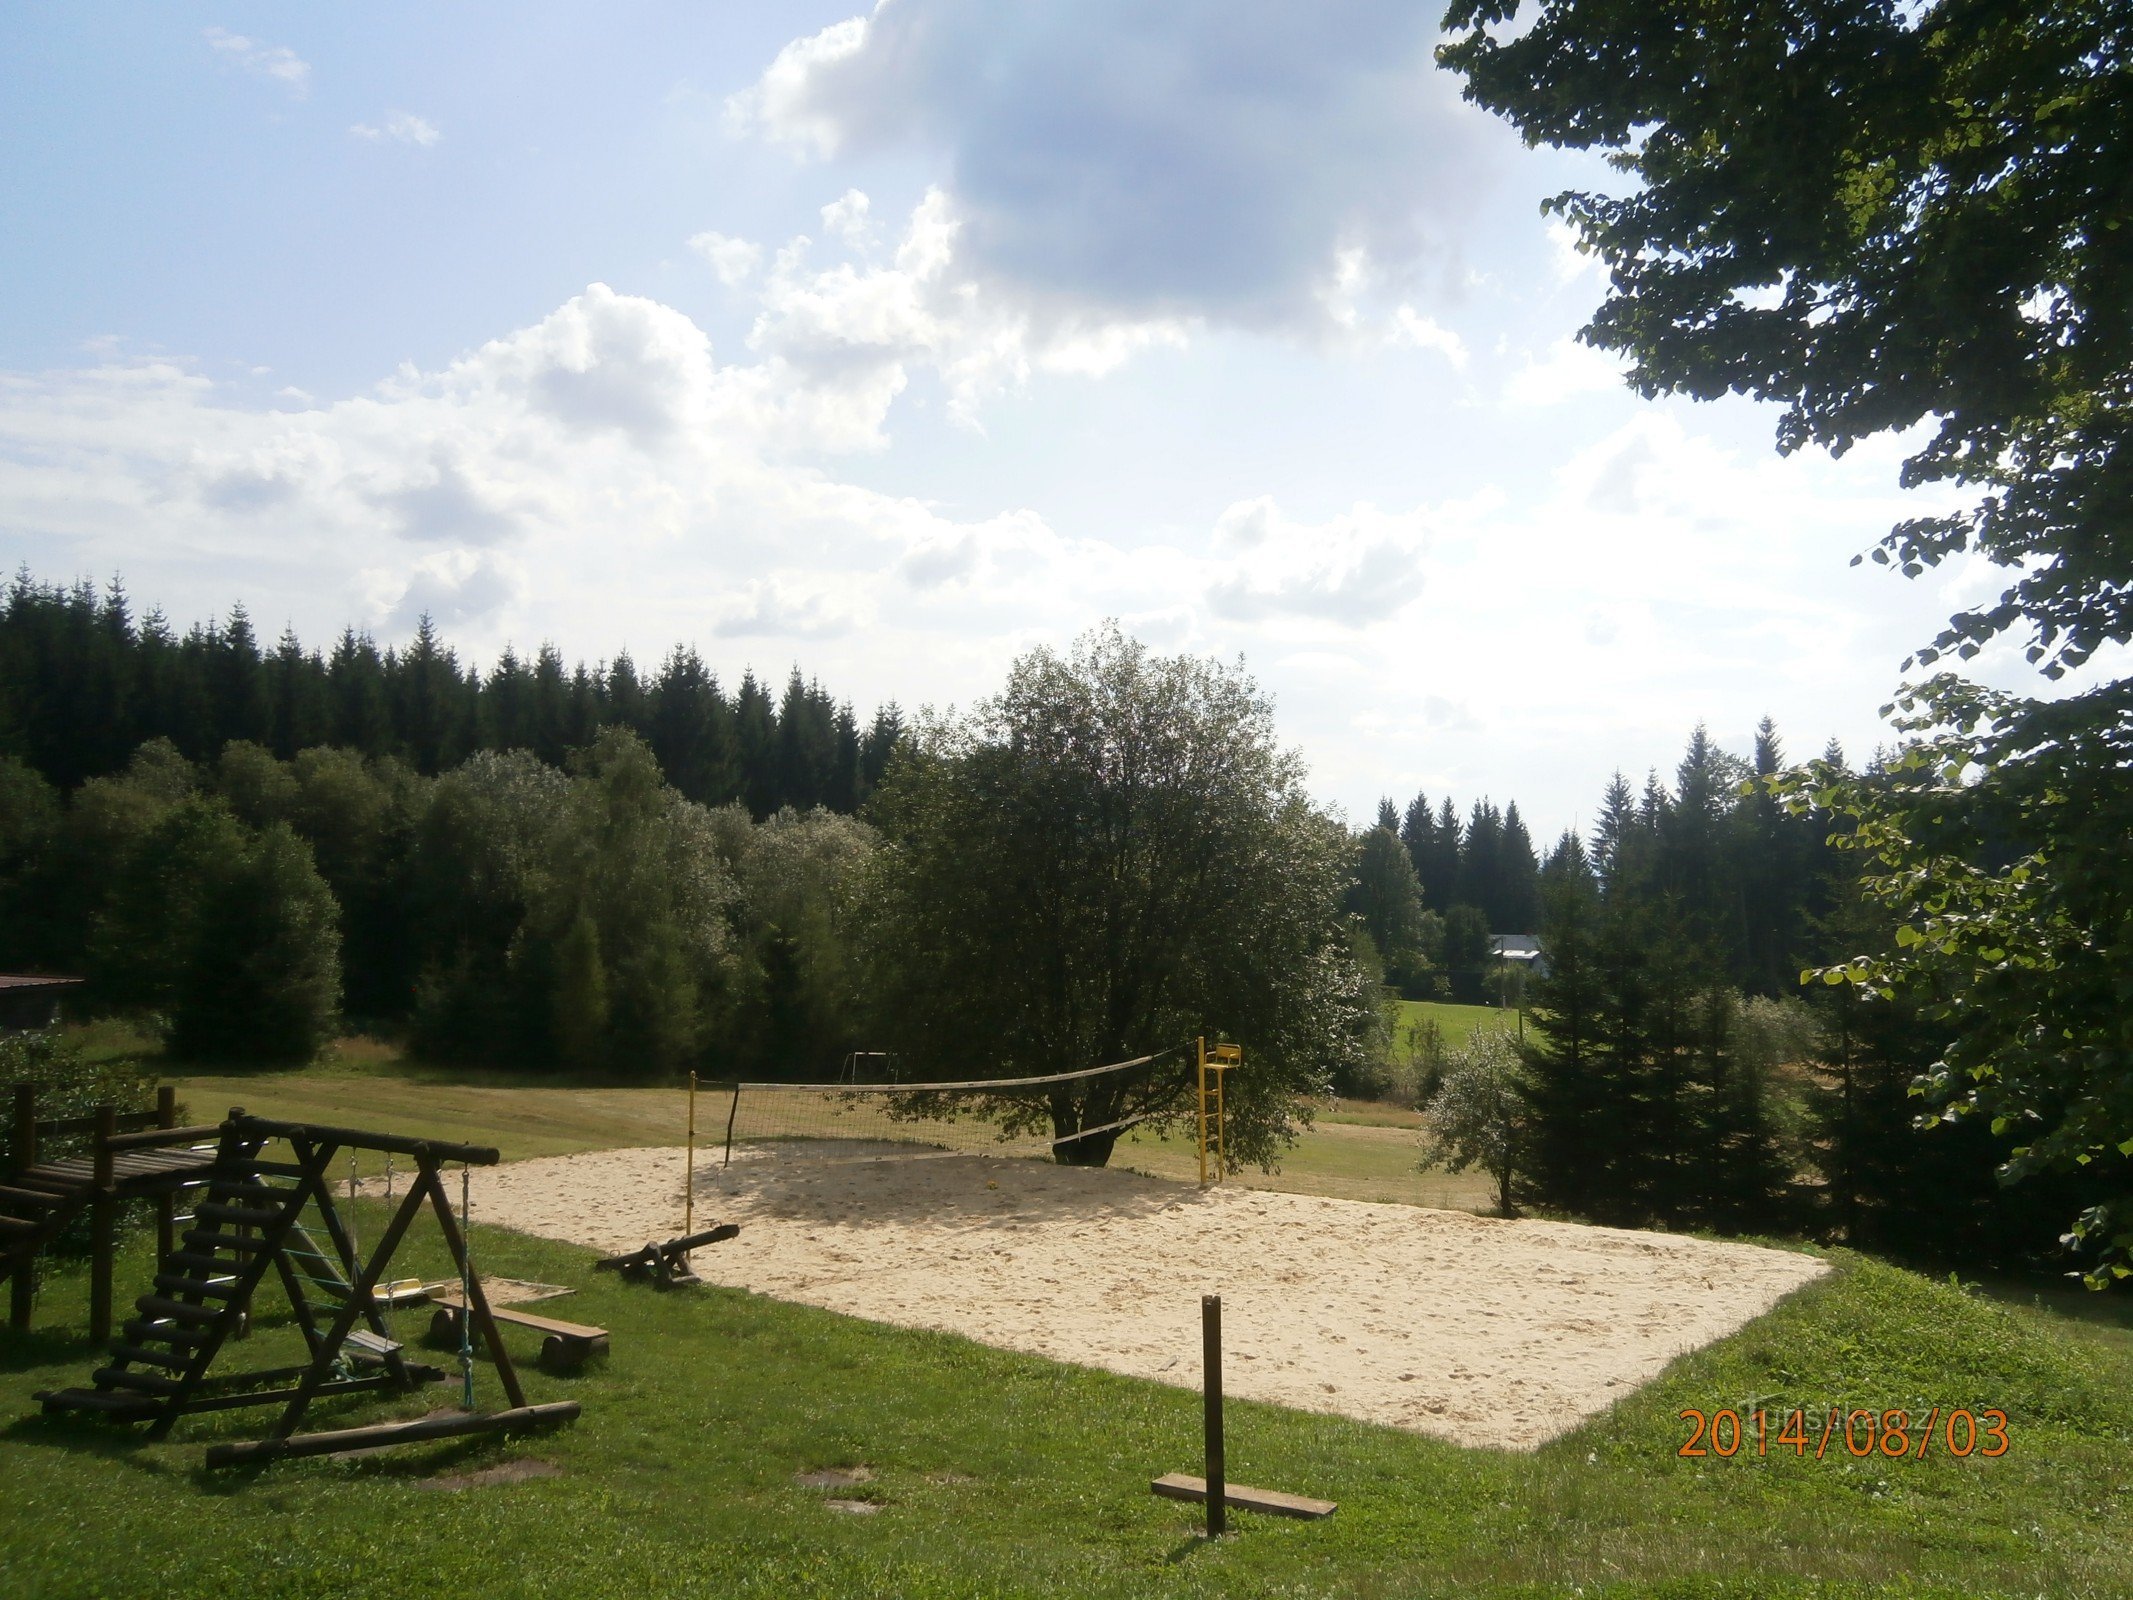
(565, 1346)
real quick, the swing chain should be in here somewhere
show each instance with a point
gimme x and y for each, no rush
(466, 1291)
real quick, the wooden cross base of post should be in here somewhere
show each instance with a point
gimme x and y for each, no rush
(1214, 1489)
(1184, 1486)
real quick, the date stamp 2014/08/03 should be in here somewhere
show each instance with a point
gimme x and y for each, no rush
(1842, 1433)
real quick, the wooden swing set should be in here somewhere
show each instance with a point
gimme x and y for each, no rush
(257, 1218)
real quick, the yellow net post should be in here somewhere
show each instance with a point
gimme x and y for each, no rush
(1201, 1047)
(1212, 1064)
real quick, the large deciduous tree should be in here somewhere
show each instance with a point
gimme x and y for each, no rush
(1106, 859)
(1894, 214)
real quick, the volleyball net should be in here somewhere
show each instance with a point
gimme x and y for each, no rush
(992, 1116)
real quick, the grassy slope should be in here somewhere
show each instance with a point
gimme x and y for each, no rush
(1003, 1474)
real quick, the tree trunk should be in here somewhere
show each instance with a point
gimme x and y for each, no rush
(1090, 1150)
(1071, 1113)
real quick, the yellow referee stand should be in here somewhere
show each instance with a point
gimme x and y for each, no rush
(1213, 1063)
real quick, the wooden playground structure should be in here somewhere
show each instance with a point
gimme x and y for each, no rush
(254, 1212)
(134, 1155)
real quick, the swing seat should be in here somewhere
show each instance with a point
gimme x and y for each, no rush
(365, 1346)
(566, 1347)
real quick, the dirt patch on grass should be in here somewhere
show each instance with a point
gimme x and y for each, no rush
(1481, 1331)
(833, 1477)
(489, 1477)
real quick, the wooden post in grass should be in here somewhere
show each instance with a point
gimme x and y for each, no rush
(1216, 1489)
(1211, 1410)
(103, 1215)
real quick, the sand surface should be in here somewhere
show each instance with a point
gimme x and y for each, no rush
(1480, 1331)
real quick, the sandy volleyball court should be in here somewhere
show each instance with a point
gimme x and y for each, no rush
(1479, 1331)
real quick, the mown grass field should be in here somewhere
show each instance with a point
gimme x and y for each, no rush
(1454, 1024)
(1001, 1474)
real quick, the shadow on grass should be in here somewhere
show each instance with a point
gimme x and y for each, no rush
(413, 1464)
(78, 1435)
(2058, 1297)
(1189, 1547)
(19, 1352)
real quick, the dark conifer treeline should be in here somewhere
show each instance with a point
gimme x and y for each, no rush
(83, 685)
(1486, 862)
(541, 867)
(1681, 1074)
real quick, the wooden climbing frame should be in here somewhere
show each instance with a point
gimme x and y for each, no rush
(41, 1194)
(253, 1223)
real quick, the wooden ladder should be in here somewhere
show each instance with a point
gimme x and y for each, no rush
(248, 1224)
(1214, 1122)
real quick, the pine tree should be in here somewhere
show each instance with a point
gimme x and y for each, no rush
(843, 790)
(237, 683)
(877, 748)
(1481, 864)
(1567, 863)
(507, 705)
(1418, 831)
(551, 707)
(1517, 876)
(358, 715)
(1440, 877)
(296, 697)
(756, 735)
(624, 702)
(690, 729)
(1571, 1131)
(429, 701)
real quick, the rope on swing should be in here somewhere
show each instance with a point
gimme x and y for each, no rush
(466, 1291)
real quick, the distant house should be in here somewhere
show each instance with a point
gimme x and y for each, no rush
(1521, 950)
(29, 1002)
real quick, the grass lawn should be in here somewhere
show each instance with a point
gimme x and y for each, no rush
(1454, 1023)
(1002, 1474)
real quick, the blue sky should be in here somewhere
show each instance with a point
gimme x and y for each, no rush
(893, 343)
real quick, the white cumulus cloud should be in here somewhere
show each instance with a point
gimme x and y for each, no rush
(1567, 370)
(1162, 163)
(859, 326)
(733, 260)
(398, 127)
(1356, 568)
(276, 62)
